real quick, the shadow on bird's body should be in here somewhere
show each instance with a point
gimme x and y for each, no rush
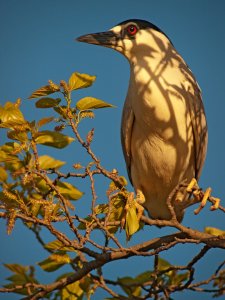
(163, 129)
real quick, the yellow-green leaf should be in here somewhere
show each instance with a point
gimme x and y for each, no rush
(17, 135)
(92, 103)
(10, 147)
(47, 162)
(14, 124)
(41, 184)
(54, 262)
(10, 111)
(58, 246)
(53, 139)
(163, 264)
(132, 222)
(3, 174)
(116, 212)
(18, 269)
(61, 110)
(144, 277)
(128, 284)
(80, 81)
(177, 279)
(44, 91)
(72, 291)
(47, 102)
(44, 121)
(101, 209)
(214, 231)
(69, 191)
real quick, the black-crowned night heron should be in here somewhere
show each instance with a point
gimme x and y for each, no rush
(163, 129)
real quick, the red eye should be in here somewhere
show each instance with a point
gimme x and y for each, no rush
(131, 29)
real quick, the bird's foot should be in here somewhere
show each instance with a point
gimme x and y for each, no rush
(193, 184)
(204, 196)
(181, 194)
(201, 196)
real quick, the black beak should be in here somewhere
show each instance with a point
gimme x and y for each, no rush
(107, 39)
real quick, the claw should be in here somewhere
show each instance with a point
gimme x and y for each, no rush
(179, 196)
(140, 198)
(140, 210)
(216, 203)
(197, 194)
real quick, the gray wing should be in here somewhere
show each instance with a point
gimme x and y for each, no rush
(199, 127)
(126, 134)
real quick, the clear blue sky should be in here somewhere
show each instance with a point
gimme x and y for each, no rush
(37, 41)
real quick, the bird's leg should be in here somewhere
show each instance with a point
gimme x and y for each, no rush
(202, 196)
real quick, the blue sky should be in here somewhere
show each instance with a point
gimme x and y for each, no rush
(38, 44)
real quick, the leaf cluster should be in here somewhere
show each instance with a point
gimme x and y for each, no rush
(35, 190)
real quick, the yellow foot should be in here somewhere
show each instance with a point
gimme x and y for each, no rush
(193, 183)
(204, 200)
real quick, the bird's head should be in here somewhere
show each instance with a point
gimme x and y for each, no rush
(131, 38)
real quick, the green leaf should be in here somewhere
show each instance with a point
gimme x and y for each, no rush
(92, 103)
(132, 222)
(44, 91)
(47, 102)
(80, 81)
(53, 139)
(214, 231)
(69, 191)
(47, 162)
(58, 246)
(54, 262)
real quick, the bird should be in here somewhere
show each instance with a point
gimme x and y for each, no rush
(164, 131)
